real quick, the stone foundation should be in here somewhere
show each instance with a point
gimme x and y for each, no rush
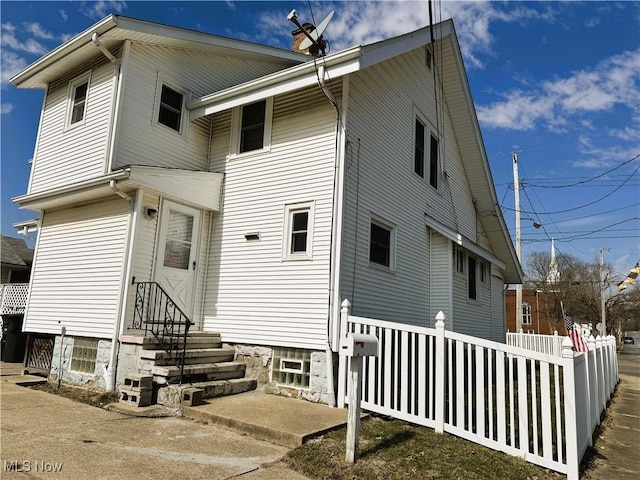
(259, 363)
(61, 366)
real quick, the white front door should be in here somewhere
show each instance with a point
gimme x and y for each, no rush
(176, 260)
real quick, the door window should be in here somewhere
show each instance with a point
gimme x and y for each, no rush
(178, 245)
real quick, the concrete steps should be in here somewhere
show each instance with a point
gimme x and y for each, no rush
(191, 356)
(166, 374)
(209, 370)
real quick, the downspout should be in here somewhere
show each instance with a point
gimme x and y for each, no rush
(336, 243)
(110, 368)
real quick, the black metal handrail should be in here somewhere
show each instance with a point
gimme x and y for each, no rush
(157, 313)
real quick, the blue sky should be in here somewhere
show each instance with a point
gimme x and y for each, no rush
(556, 82)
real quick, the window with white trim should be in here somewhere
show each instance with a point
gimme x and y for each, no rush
(526, 313)
(78, 95)
(382, 243)
(434, 162)
(252, 128)
(459, 257)
(298, 228)
(426, 158)
(84, 354)
(418, 156)
(472, 278)
(170, 109)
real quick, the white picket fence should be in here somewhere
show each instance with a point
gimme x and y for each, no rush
(549, 344)
(543, 408)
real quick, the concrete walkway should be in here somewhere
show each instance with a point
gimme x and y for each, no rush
(47, 436)
(618, 447)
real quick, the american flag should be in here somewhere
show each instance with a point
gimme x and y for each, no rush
(579, 345)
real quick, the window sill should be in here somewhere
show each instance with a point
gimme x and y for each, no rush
(382, 268)
(252, 153)
(297, 258)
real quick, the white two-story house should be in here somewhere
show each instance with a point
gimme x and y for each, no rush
(260, 188)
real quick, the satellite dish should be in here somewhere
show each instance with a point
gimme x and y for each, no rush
(317, 33)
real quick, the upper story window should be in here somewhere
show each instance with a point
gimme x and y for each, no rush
(252, 128)
(298, 231)
(458, 259)
(170, 109)
(425, 150)
(472, 278)
(434, 163)
(418, 157)
(381, 243)
(78, 94)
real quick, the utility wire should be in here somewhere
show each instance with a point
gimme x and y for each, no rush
(587, 180)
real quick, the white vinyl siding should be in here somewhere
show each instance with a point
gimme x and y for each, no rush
(381, 178)
(67, 154)
(141, 140)
(253, 296)
(77, 273)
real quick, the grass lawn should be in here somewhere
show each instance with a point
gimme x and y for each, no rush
(392, 449)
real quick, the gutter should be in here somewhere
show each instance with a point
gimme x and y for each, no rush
(300, 75)
(65, 49)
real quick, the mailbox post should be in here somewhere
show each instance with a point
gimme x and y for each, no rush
(356, 346)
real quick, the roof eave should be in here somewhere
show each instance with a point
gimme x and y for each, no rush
(64, 49)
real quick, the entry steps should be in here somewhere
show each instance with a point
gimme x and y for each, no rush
(209, 371)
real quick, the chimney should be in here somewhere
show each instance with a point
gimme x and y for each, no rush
(299, 36)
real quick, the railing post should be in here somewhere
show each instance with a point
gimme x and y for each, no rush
(600, 366)
(345, 310)
(570, 413)
(594, 383)
(440, 372)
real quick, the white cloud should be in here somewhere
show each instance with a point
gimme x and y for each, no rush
(6, 108)
(615, 81)
(36, 29)
(64, 15)
(364, 22)
(11, 64)
(9, 40)
(102, 8)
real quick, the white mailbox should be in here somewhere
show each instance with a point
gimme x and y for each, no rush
(359, 345)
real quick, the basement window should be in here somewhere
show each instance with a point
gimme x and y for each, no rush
(83, 357)
(291, 367)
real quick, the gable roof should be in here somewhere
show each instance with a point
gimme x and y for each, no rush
(15, 253)
(298, 71)
(457, 97)
(115, 29)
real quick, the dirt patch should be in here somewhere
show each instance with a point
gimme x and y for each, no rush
(94, 397)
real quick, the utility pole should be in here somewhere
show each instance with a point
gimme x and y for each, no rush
(603, 316)
(516, 190)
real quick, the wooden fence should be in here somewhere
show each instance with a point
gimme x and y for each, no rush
(13, 298)
(543, 408)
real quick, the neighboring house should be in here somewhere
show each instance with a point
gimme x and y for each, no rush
(16, 259)
(260, 188)
(539, 314)
(15, 268)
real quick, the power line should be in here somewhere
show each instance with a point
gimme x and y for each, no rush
(588, 179)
